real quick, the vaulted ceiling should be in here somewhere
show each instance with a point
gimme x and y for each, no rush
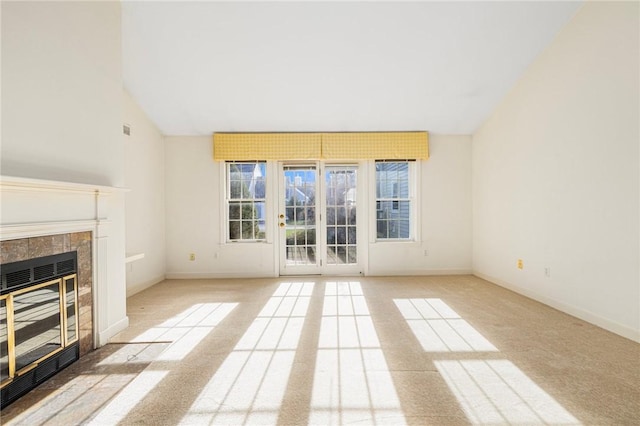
(203, 67)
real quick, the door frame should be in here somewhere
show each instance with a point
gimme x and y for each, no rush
(321, 267)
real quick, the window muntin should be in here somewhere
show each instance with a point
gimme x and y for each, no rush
(246, 200)
(393, 200)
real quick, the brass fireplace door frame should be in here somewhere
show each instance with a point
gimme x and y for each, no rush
(67, 336)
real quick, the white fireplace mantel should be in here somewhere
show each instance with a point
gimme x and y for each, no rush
(14, 183)
(30, 207)
(37, 207)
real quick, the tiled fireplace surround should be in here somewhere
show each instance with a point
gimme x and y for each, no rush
(43, 217)
(34, 247)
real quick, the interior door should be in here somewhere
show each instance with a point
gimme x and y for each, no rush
(317, 219)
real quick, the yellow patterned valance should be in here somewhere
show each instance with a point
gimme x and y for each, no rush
(375, 146)
(318, 146)
(266, 146)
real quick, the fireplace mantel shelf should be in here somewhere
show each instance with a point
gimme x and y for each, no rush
(132, 257)
(27, 184)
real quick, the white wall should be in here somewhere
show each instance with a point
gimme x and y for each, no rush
(556, 174)
(194, 217)
(445, 216)
(144, 204)
(193, 183)
(62, 91)
(62, 113)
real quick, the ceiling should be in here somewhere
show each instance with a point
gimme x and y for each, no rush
(201, 67)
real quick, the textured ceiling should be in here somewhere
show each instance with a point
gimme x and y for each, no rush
(202, 67)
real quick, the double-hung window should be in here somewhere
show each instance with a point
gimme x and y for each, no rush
(245, 199)
(394, 199)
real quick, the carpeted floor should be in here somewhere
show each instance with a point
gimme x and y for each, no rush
(443, 350)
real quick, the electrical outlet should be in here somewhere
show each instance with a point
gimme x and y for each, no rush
(426, 252)
(547, 272)
(520, 264)
(192, 256)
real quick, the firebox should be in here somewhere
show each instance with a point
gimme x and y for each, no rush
(38, 322)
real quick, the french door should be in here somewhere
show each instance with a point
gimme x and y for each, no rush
(317, 219)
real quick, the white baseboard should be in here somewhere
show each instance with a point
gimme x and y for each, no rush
(214, 275)
(137, 288)
(379, 273)
(418, 272)
(103, 337)
(590, 317)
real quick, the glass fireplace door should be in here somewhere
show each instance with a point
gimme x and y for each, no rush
(35, 323)
(71, 309)
(4, 341)
(37, 319)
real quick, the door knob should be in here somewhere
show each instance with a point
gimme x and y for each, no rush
(281, 225)
(281, 216)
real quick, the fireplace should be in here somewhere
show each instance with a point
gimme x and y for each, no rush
(44, 218)
(39, 331)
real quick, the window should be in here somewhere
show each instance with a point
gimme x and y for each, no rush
(393, 199)
(246, 210)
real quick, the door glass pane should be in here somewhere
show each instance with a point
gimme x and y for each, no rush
(331, 235)
(300, 215)
(351, 235)
(70, 295)
(351, 255)
(37, 324)
(4, 342)
(341, 216)
(341, 183)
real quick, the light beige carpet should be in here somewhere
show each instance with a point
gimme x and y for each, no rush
(395, 350)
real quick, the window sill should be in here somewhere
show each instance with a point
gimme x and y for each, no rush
(398, 241)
